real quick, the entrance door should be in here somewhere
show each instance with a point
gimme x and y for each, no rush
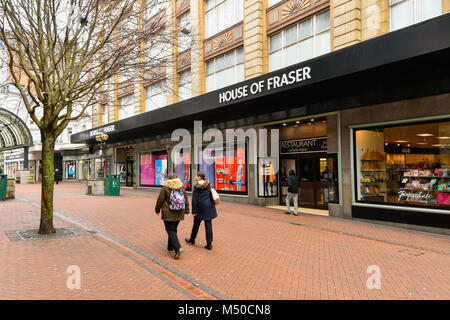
(129, 174)
(310, 169)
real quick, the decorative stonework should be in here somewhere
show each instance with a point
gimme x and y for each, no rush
(289, 12)
(184, 60)
(182, 7)
(224, 41)
(294, 7)
(125, 88)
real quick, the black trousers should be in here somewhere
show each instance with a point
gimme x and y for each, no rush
(171, 228)
(208, 229)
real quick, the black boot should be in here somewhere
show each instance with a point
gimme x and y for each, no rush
(189, 241)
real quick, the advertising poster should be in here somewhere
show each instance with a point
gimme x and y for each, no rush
(153, 169)
(183, 170)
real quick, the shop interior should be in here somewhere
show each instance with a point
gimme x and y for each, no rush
(405, 165)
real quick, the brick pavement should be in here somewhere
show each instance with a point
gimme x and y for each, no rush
(258, 253)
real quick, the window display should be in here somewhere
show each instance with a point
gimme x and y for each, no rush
(182, 167)
(268, 177)
(153, 168)
(226, 170)
(404, 165)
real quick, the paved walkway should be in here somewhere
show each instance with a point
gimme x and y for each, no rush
(258, 253)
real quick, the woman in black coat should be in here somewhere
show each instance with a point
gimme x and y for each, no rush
(203, 208)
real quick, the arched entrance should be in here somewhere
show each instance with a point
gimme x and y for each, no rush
(14, 134)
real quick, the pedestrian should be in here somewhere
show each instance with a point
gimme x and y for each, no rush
(173, 204)
(293, 184)
(203, 209)
(56, 175)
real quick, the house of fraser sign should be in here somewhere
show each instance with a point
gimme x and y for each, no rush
(285, 79)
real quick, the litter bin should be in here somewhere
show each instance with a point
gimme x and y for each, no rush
(112, 185)
(3, 186)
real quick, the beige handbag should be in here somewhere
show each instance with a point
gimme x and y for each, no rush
(215, 196)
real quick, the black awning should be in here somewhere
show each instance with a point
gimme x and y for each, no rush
(407, 63)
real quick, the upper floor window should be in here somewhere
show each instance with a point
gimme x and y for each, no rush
(126, 107)
(407, 12)
(273, 2)
(225, 70)
(305, 40)
(221, 14)
(104, 114)
(184, 85)
(153, 7)
(184, 32)
(154, 96)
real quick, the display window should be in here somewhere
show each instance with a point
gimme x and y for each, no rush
(406, 165)
(71, 169)
(226, 170)
(153, 168)
(268, 177)
(182, 166)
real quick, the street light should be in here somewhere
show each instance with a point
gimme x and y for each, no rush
(101, 139)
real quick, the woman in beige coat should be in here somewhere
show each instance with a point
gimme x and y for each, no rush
(170, 217)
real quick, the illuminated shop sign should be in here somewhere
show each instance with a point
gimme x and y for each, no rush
(303, 145)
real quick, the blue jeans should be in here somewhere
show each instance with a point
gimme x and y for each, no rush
(294, 197)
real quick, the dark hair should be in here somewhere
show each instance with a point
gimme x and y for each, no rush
(201, 174)
(172, 176)
(291, 172)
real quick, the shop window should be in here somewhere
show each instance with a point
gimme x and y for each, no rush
(407, 12)
(225, 70)
(226, 168)
(71, 170)
(126, 107)
(305, 40)
(268, 177)
(221, 14)
(153, 168)
(182, 166)
(404, 165)
(184, 85)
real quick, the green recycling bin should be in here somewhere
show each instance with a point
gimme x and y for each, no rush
(112, 185)
(3, 186)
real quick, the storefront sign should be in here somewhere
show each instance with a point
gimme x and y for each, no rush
(107, 129)
(303, 145)
(266, 85)
(14, 157)
(414, 196)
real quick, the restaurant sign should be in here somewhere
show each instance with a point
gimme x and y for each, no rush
(303, 145)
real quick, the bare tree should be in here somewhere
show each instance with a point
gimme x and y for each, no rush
(62, 52)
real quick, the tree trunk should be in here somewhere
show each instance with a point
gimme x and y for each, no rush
(48, 152)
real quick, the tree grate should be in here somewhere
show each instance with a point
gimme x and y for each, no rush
(29, 235)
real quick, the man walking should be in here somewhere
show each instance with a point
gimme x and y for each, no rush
(293, 185)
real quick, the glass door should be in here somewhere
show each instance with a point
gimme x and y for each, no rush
(129, 174)
(286, 165)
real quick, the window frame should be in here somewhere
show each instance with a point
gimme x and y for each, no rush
(314, 36)
(354, 171)
(238, 61)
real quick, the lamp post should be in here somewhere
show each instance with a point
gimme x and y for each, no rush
(101, 138)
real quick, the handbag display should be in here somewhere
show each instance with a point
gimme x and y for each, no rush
(215, 196)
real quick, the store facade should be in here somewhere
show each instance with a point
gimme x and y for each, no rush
(365, 128)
